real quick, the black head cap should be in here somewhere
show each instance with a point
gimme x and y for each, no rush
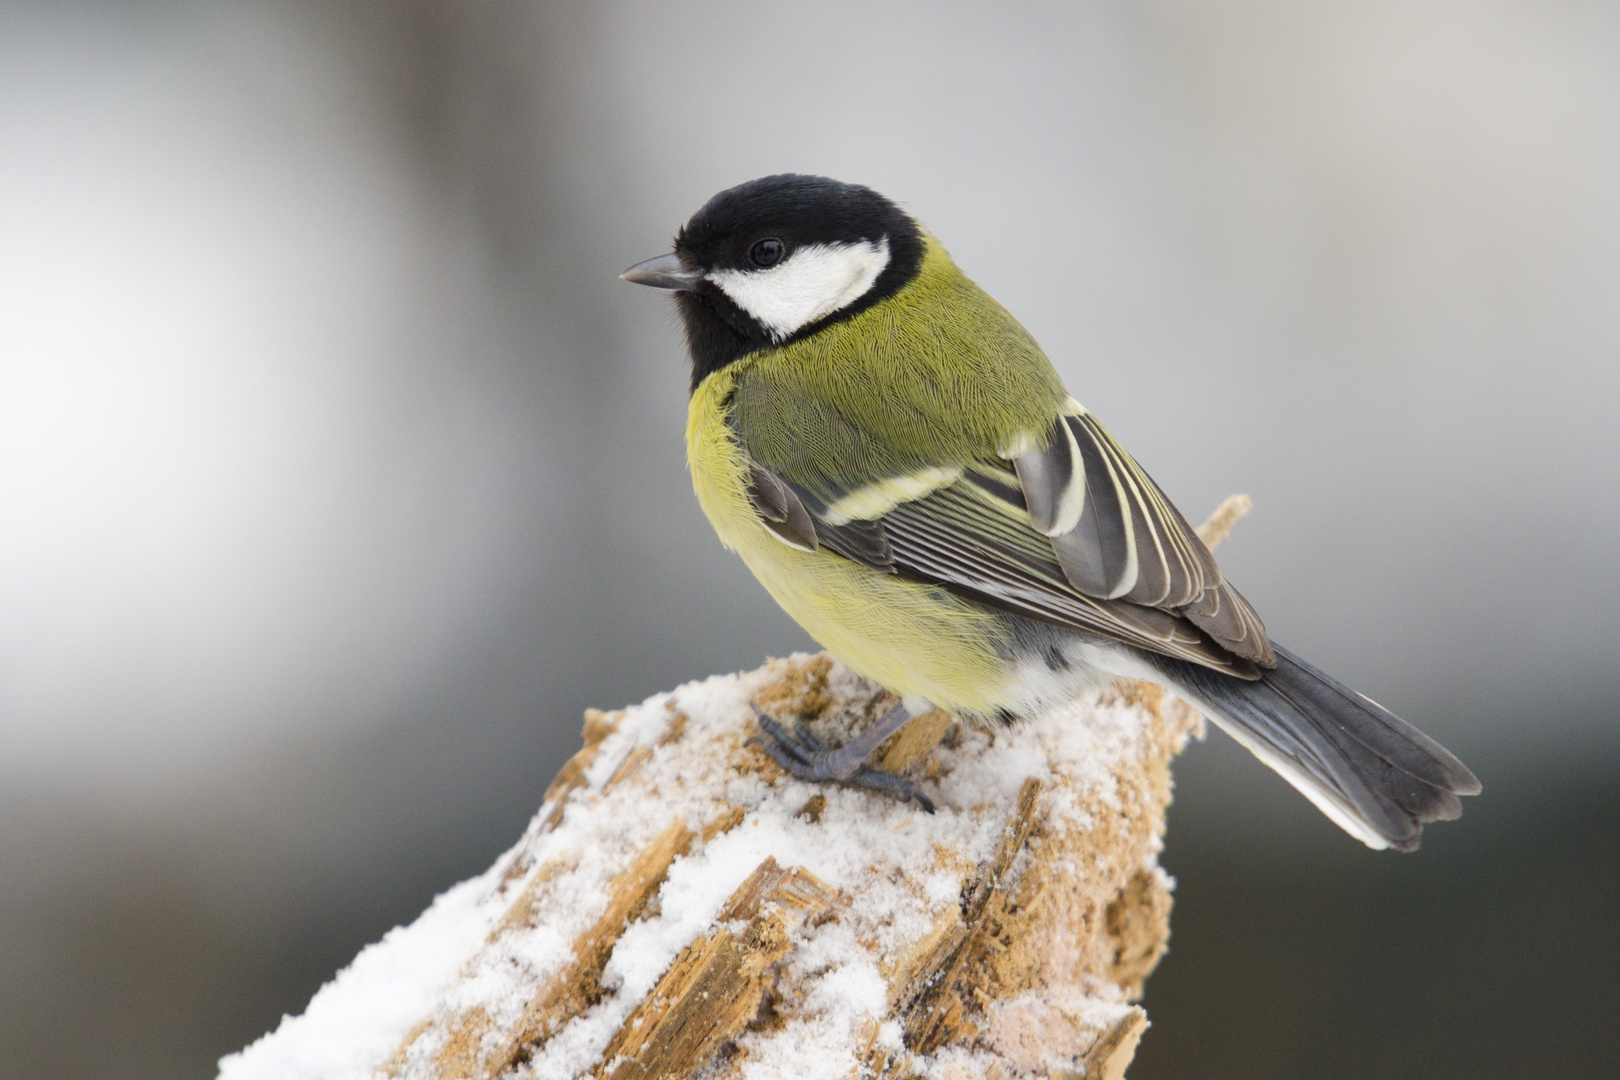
(761, 224)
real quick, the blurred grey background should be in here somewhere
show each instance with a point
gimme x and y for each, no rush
(338, 473)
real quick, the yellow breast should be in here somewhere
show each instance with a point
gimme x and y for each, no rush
(914, 639)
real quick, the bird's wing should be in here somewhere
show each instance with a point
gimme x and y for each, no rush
(1118, 536)
(1073, 533)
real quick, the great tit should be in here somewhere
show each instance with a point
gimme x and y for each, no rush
(896, 460)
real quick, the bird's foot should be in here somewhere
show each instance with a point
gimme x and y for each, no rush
(806, 757)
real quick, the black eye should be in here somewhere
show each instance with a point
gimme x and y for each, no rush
(767, 252)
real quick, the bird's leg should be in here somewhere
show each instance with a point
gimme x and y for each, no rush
(805, 757)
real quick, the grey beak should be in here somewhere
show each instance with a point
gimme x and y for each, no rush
(664, 272)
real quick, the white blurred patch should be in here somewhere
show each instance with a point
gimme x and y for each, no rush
(237, 491)
(812, 283)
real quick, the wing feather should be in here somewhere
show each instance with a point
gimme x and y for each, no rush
(780, 509)
(952, 538)
(1128, 567)
(1174, 569)
(1053, 479)
(1099, 555)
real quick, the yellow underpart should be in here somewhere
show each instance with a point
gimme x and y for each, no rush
(913, 639)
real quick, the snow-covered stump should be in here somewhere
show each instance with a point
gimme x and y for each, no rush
(680, 907)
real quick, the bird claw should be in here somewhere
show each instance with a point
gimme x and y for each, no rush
(804, 756)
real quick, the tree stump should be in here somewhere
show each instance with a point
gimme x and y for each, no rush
(680, 907)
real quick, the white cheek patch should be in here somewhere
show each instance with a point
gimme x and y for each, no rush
(810, 284)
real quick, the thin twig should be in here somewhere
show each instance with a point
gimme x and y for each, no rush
(1219, 524)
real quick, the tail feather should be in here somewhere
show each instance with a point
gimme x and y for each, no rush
(1377, 776)
(1398, 743)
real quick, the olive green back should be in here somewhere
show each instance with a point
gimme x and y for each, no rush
(937, 374)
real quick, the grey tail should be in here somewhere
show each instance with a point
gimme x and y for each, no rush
(1375, 775)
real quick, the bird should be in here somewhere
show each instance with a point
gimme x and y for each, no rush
(900, 466)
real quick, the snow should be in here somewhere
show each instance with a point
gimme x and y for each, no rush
(356, 1020)
(468, 955)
